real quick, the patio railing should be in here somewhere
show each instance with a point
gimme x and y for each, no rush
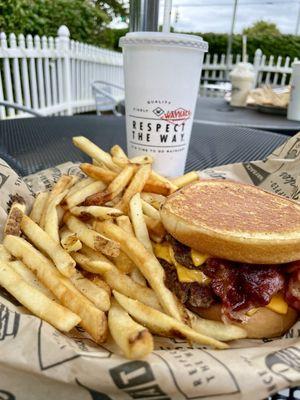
(53, 75)
(268, 70)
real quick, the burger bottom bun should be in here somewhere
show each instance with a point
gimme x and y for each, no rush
(265, 323)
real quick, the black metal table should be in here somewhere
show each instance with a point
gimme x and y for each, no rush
(33, 144)
(217, 111)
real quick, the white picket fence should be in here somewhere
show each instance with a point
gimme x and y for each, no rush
(268, 71)
(53, 75)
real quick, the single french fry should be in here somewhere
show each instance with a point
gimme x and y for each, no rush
(162, 324)
(117, 151)
(94, 293)
(60, 214)
(121, 162)
(155, 186)
(136, 185)
(123, 263)
(124, 284)
(60, 186)
(156, 200)
(38, 207)
(125, 223)
(51, 223)
(142, 160)
(93, 320)
(133, 339)
(96, 212)
(113, 189)
(148, 265)
(4, 254)
(63, 261)
(216, 329)
(150, 211)
(99, 282)
(138, 222)
(95, 152)
(69, 240)
(183, 180)
(90, 237)
(36, 302)
(80, 195)
(155, 228)
(91, 265)
(97, 172)
(137, 277)
(14, 218)
(160, 178)
(30, 278)
(80, 185)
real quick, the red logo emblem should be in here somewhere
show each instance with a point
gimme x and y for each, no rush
(176, 116)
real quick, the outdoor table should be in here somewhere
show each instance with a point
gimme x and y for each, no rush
(216, 111)
(32, 144)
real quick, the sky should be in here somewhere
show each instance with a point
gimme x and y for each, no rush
(216, 15)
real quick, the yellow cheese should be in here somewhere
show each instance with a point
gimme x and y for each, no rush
(251, 312)
(198, 258)
(185, 274)
(278, 304)
(191, 275)
(161, 250)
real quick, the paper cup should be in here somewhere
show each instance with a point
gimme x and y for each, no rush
(242, 79)
(162, 77)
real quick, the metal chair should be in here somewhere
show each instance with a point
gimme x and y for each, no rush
(107, 96)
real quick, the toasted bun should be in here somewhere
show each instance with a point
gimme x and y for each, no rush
(264, 323)
(234, 221)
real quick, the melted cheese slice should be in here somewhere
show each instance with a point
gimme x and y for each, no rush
(277, 304)
(198, 258)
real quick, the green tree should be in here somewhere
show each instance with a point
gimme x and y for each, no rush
(86, 19)
(262, 28)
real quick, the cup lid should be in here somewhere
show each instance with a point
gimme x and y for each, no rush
(163, 39)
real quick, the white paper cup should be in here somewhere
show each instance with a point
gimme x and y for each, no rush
(242, 79)
(162, 77)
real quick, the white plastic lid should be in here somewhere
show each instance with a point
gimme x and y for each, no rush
(163, 39)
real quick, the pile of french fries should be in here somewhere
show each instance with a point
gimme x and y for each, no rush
(83, 255)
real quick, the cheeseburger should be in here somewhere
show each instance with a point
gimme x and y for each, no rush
(232, 254)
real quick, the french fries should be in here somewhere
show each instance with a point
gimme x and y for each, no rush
(138, 222)
(148, 265)
(63, 261)
(98, 296)
(162, 324)
(216, 329)
(156, 200)
(96, 212)
(113, 189)
(135, 340)
(38, 207)
(96, 266)
(13, 222)
(80, 195)
(39, 304)
(184, 180)
(97, 172)
(69, 240)
(95, 152)
(135, 186)
(93, 320)
(124, 223)
(90, 237)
